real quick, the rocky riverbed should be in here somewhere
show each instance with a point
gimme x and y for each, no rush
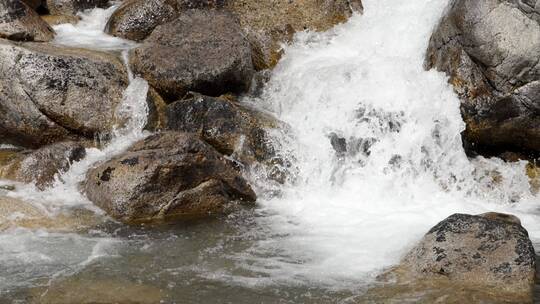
(238, 151)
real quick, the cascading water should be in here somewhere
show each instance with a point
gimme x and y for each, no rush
(377, 157)
(377, 147)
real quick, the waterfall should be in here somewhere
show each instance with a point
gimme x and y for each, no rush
(378, 149)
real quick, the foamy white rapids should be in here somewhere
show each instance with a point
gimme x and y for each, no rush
(349, 216)
(88, 32)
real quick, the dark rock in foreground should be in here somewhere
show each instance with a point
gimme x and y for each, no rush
(491, 50)
(489, 253)
(164, 176)
(202, 51)
(19, 22)
(50, 93)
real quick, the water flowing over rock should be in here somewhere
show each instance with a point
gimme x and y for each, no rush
(72, 7)
(202, 51)
(487, 251)
(164, 176)
(41, 166)
(495, 70)
(268, 24)
(51, 93)
(20, 22)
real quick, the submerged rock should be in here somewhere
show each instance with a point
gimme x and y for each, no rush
(53, 20)
(50, 93)
(16, 213)
(490, 50)
(19, 22)
(164, 176)
(490, 253)
(268, 24)
(72, 7)
(202, 51)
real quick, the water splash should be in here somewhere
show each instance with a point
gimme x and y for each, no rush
(378, 150)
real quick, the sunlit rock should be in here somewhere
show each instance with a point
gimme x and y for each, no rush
(490, 50)
(203, 51)
(20, 22)
(487, 256)
(50, 93)
(164, 176)
(268, 24)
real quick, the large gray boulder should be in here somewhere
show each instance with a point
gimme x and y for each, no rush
(165, 176)
(490, 253)
(72, 7)
(50, 93)
(203, 51)
(490, 50)
(20, 22)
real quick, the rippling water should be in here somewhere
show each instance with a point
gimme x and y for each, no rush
(344, 217)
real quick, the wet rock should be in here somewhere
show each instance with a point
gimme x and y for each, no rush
(489, 251)
(41, 166)
(50, 93)
(533, 172)
(18, 213)
(203, 51)
(164, 176)
(72, 7)
(490, 50)
(53, 20)
(136, 19)
(229, 126)
(19, 22)
(34, 4)
(268, 24)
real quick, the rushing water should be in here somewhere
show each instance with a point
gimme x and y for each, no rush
(343, 218)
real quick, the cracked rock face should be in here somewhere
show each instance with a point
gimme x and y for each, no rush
(490, 250)
(19, 22)
(49, 93)
(164, 176)
(491, 51)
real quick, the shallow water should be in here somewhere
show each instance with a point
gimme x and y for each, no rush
(341, 220)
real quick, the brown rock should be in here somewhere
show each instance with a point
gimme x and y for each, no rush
(164, 176)
(19, 22)
(72, 7)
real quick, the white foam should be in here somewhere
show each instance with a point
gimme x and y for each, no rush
(348, 217)
(89, 32)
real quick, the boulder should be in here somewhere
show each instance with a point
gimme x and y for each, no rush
(19, 22)
(34, 4)
(229, 126)
(164, 176)
(490, 252)
(72, 7)
(203, 51)
(268, 24)
(136, 19)
(490, 50)
(50, 93)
